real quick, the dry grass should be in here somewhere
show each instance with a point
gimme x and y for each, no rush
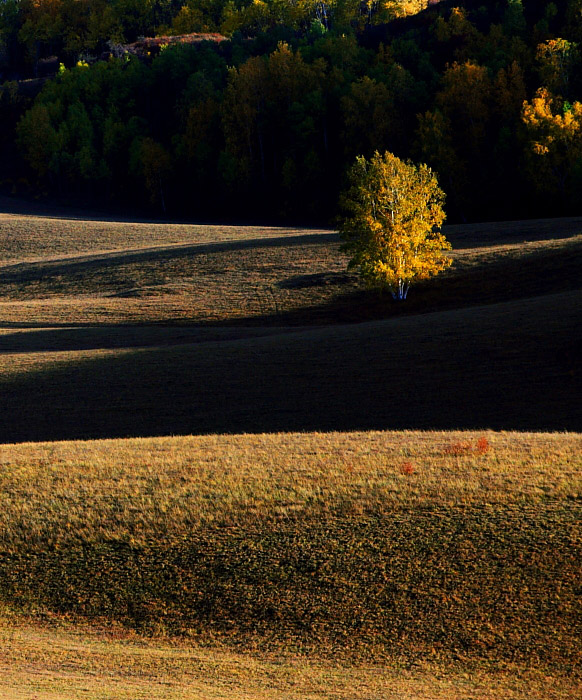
(512, 365)
(71, 273)
(218, 341)
(307, 544)
(100, 663)
(125, 488)
(186, 284)
(308, 564)
(30, 238)
(513, 232)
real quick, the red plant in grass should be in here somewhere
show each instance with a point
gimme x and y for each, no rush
(483, 445)
(407, 468)
(458, 448)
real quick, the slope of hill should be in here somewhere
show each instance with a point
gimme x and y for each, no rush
(422, 564)
(70, 273)
(416, 548)
(99, 662)
(503, 366)
(193, 334)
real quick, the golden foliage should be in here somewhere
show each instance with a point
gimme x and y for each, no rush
(465, 99)
(396, 211)
(554, 141)
(509, 92)
(556, 59)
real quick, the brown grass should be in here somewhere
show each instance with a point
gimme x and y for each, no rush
(504, 366)
(225, 325)
(104, 662)
(356, 564)
(31, 238)
(71, 273)
(307, 543)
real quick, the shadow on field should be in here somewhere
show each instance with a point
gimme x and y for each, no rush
(22, 340)
(503, 232)
(505, 366)
(23, 272)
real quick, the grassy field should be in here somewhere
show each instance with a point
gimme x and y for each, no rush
(485, 367)
(345, 509)
(394, 551)
(67, 273)
(100, 663)
(257, 333)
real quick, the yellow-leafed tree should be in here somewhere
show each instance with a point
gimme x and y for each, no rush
(394, 213)
(553, 131)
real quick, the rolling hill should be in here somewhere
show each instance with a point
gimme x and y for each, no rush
(263, 330)
(233, 471)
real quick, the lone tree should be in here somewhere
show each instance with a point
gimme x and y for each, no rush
(392, 228)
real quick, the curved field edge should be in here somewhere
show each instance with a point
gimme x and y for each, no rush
(402, 546)
(83, 273)
(34, 236)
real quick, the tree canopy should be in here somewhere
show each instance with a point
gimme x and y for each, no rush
(265, 124)
(392, 229)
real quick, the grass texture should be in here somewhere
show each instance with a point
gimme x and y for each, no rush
(408, 545)
(112, 329)
(101, 662)
(66, 274)
(505, 366)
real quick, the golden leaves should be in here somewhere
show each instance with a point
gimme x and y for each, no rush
(554, 129)
(393, 231)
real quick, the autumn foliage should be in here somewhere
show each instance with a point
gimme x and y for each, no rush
(465, 447)
(395, 211)
(258, 109)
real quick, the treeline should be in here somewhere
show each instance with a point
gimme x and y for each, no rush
(267, 123)
(33, 29)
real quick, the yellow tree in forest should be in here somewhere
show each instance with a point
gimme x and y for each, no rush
(369, 116)
(553, 132)
(243, 103)
(392, 227)
(465, 99)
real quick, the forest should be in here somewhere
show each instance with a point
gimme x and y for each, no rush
(263, 120)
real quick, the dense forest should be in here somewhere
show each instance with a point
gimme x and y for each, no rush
(264, 118)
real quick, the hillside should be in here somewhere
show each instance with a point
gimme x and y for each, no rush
(344, 509)
(266, 116)
(120, 330)
(99, 662)
(392, 554)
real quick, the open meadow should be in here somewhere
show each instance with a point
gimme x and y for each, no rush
(345, 565)
(229, 470)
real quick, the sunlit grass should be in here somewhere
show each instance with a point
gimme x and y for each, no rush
(309, 543)
(34, 238)
(58, 660)
(78, 273)
(369, 564)
(128, 488)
